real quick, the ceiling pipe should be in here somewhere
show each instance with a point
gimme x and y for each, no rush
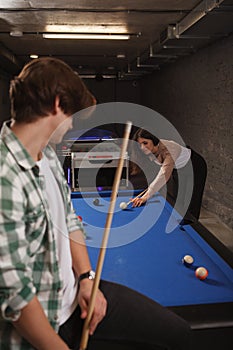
(195, 15)
(139, 65)
(176, 31)
(159, 55)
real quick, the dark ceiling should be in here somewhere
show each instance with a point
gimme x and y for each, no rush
(160, 32)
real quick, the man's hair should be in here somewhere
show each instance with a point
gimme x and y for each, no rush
(33, 92)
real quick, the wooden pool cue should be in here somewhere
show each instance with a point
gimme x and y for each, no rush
(117, 178)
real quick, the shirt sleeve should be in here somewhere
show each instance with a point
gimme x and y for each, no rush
(167, 160)
(16, 285)
(163, 175)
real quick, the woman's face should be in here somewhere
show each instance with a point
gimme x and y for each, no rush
(147, 146)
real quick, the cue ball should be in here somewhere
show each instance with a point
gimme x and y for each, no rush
(187, 260)
(201, 273)
(96, 201)
(123, 205)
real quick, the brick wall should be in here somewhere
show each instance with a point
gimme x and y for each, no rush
(196, 95)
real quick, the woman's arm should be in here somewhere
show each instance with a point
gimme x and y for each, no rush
(164, 174)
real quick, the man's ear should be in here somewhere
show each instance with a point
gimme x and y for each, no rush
(56, 105)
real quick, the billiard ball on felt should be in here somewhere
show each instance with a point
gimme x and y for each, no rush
(96, 201)
(123, 205)
(201, 273)
(187, 260)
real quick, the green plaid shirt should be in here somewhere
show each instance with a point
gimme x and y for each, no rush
(28, 256)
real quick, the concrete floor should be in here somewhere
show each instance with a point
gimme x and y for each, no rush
(217, 227)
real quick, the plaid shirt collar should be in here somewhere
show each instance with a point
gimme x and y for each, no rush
(18, 151)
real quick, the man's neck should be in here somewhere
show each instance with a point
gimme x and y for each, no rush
(32, 136)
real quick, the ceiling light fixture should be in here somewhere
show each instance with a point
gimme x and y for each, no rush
(16, 33)
(83, 28)
(34, 56)
(120, 55)
(85, 36)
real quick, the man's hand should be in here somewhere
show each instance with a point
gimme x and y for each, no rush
(84, 300)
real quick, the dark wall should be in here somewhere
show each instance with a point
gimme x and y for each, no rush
(107, 90)
(4, 99)
(196, 95)
(113, 90)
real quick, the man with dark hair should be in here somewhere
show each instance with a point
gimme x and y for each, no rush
(46, 276)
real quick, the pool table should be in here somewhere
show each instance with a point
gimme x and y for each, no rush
(145, 253)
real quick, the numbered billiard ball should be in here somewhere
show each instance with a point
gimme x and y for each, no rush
(201, 273)
(187, 260)
(96, 201)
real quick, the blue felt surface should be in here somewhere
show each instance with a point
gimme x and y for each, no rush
(141, 255)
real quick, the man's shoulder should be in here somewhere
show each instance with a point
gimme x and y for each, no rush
(8, 166)
(4, 151)
(50, 151)
(51, 155)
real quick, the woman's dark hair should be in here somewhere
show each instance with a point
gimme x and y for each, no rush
(138, 160)
(145, 135)
(33, 92)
